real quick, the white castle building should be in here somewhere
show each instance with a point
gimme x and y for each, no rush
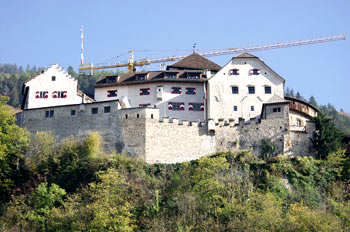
(188, 87)
(52, 87)
(193, 108)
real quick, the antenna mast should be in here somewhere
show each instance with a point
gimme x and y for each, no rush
(82, 45)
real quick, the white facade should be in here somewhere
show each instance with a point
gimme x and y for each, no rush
(161, 95)
(52, 87)
(242, 74)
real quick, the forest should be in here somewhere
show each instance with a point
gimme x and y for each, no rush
(74, 186)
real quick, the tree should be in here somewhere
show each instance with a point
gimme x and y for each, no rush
(267, 149)
(326, 138)
(312, 101)
(33, 211)
(13, 144)
(298, 96)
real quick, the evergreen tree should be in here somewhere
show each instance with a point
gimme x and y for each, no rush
(326, 138)
(312, 101)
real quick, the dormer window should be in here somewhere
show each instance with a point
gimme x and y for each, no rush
(171, 75)
(234, 72)
(254, 71)
(53, 78)
(193, 76)
(191, 91)
(176, 90)
(141, 77)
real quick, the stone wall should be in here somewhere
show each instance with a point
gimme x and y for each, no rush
(122, 130)
(140, 132)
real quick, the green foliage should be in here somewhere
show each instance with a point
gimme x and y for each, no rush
(33, 211)
(13, 143)
(225, 192)
(326, 138)
(267, 149)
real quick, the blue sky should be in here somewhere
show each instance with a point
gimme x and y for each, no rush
(43, 32)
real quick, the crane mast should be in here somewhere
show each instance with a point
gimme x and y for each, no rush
(131, 65)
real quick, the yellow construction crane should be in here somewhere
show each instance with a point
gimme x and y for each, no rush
(132, 64)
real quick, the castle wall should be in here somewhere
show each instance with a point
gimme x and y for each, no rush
(141, 131)
(121, 130)
(169, 142)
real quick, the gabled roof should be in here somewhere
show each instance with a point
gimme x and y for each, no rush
(56, 66)
(247, 55)
(195, 61)
(188, 76)
(276, 99)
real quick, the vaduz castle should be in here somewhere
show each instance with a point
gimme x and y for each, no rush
(191, 109)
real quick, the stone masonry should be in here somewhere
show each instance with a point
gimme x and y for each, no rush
(141, 132)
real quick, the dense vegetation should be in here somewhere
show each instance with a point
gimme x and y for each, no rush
(72, 186)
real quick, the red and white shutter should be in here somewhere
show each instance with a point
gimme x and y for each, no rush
(37, 94)
(54, 94)
(190, 108)
(170, 106)
(182, 106)
(202, 106)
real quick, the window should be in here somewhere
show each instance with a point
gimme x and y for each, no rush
(144, 105)
(251, 89)
(72, 112)
(235, 90)
(53, 78)
(235, 108)
(254, 71)
(112, 93)
(298, 122)
(141, 77)
(234, 72)
(277, 109)
(175, 106)
(196, 107)
(176, 90)
(51, 113)
(107, 109)
(251, 108)
(268, 89)
(47, 114)
(41, 94)
(193, 76)
(145, 91)
(191, 91)
(94, 110)
(171, 75)
(59, 94)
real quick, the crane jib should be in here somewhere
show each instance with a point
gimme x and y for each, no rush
(131, 64)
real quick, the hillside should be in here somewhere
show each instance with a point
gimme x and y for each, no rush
(73, 186)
